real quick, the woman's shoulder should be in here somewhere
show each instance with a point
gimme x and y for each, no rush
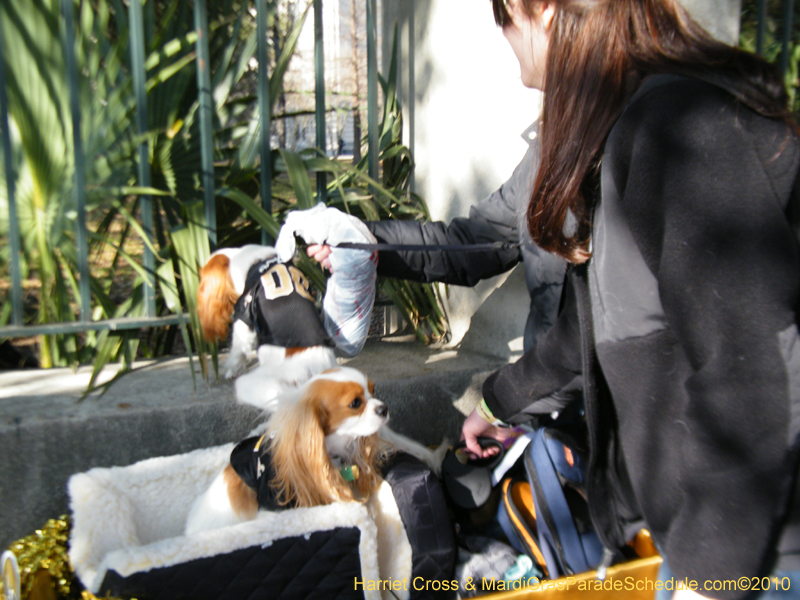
(673, 85)
(676, 100)
(682, 111)
(703, 138)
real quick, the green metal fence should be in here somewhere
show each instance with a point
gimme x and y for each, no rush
(206, 168)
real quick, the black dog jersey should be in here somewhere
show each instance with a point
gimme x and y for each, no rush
(277, 304)
(253, 463)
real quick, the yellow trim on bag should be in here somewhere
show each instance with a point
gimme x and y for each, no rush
(632, 580)
(523, 500)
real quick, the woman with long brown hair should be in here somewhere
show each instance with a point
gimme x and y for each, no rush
(669, 180)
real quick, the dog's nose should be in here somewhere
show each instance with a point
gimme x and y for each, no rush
(382, 411)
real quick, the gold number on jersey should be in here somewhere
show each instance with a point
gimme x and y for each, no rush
(281, 280)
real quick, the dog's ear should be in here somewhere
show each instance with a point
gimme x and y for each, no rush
(369, 461)
(304, 474)
(216, 297)
(371, 386)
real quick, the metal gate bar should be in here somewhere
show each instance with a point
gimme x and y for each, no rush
(206, 98)
(319, 96)
(373, 141)
(265, 113)
(13, 223)
(145, 201)
(80, 162)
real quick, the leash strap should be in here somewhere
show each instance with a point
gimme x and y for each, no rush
(488, 246)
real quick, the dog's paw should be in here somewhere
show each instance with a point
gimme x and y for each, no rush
(234, 366)
(437, 456)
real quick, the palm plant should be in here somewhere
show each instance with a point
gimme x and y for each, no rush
(240, 218)
(44, 166)
(44, 156)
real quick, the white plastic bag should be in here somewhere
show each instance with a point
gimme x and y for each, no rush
(350, 295)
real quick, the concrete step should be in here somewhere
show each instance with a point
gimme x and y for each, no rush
(47, 433)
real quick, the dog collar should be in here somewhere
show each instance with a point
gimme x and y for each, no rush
(350, 472)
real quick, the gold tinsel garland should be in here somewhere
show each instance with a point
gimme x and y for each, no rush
(44, 567)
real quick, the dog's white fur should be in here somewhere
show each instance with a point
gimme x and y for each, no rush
(242, 258)
(277, 375)
(214, 509)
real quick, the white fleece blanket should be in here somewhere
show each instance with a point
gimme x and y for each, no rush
(131, 519)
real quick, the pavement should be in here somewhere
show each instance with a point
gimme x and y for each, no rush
(48, 432)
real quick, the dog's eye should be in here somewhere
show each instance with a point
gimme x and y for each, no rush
(356, 403)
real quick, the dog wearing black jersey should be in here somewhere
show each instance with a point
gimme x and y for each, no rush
(273, 312)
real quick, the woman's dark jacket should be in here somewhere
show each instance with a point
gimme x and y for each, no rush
(498, 218)
(685, 326)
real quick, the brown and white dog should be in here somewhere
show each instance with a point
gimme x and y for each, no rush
(324, 445)
(223, 281)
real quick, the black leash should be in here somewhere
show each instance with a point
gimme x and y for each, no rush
(485, 247)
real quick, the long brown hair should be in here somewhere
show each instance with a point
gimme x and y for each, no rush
(599, 52)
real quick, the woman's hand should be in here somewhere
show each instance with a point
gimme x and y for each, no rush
(322, 254)
(476, 426)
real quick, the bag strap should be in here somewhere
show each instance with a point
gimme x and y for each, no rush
(517, 518)
(552, 508)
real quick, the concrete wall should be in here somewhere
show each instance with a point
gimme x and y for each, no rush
(465, 111)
